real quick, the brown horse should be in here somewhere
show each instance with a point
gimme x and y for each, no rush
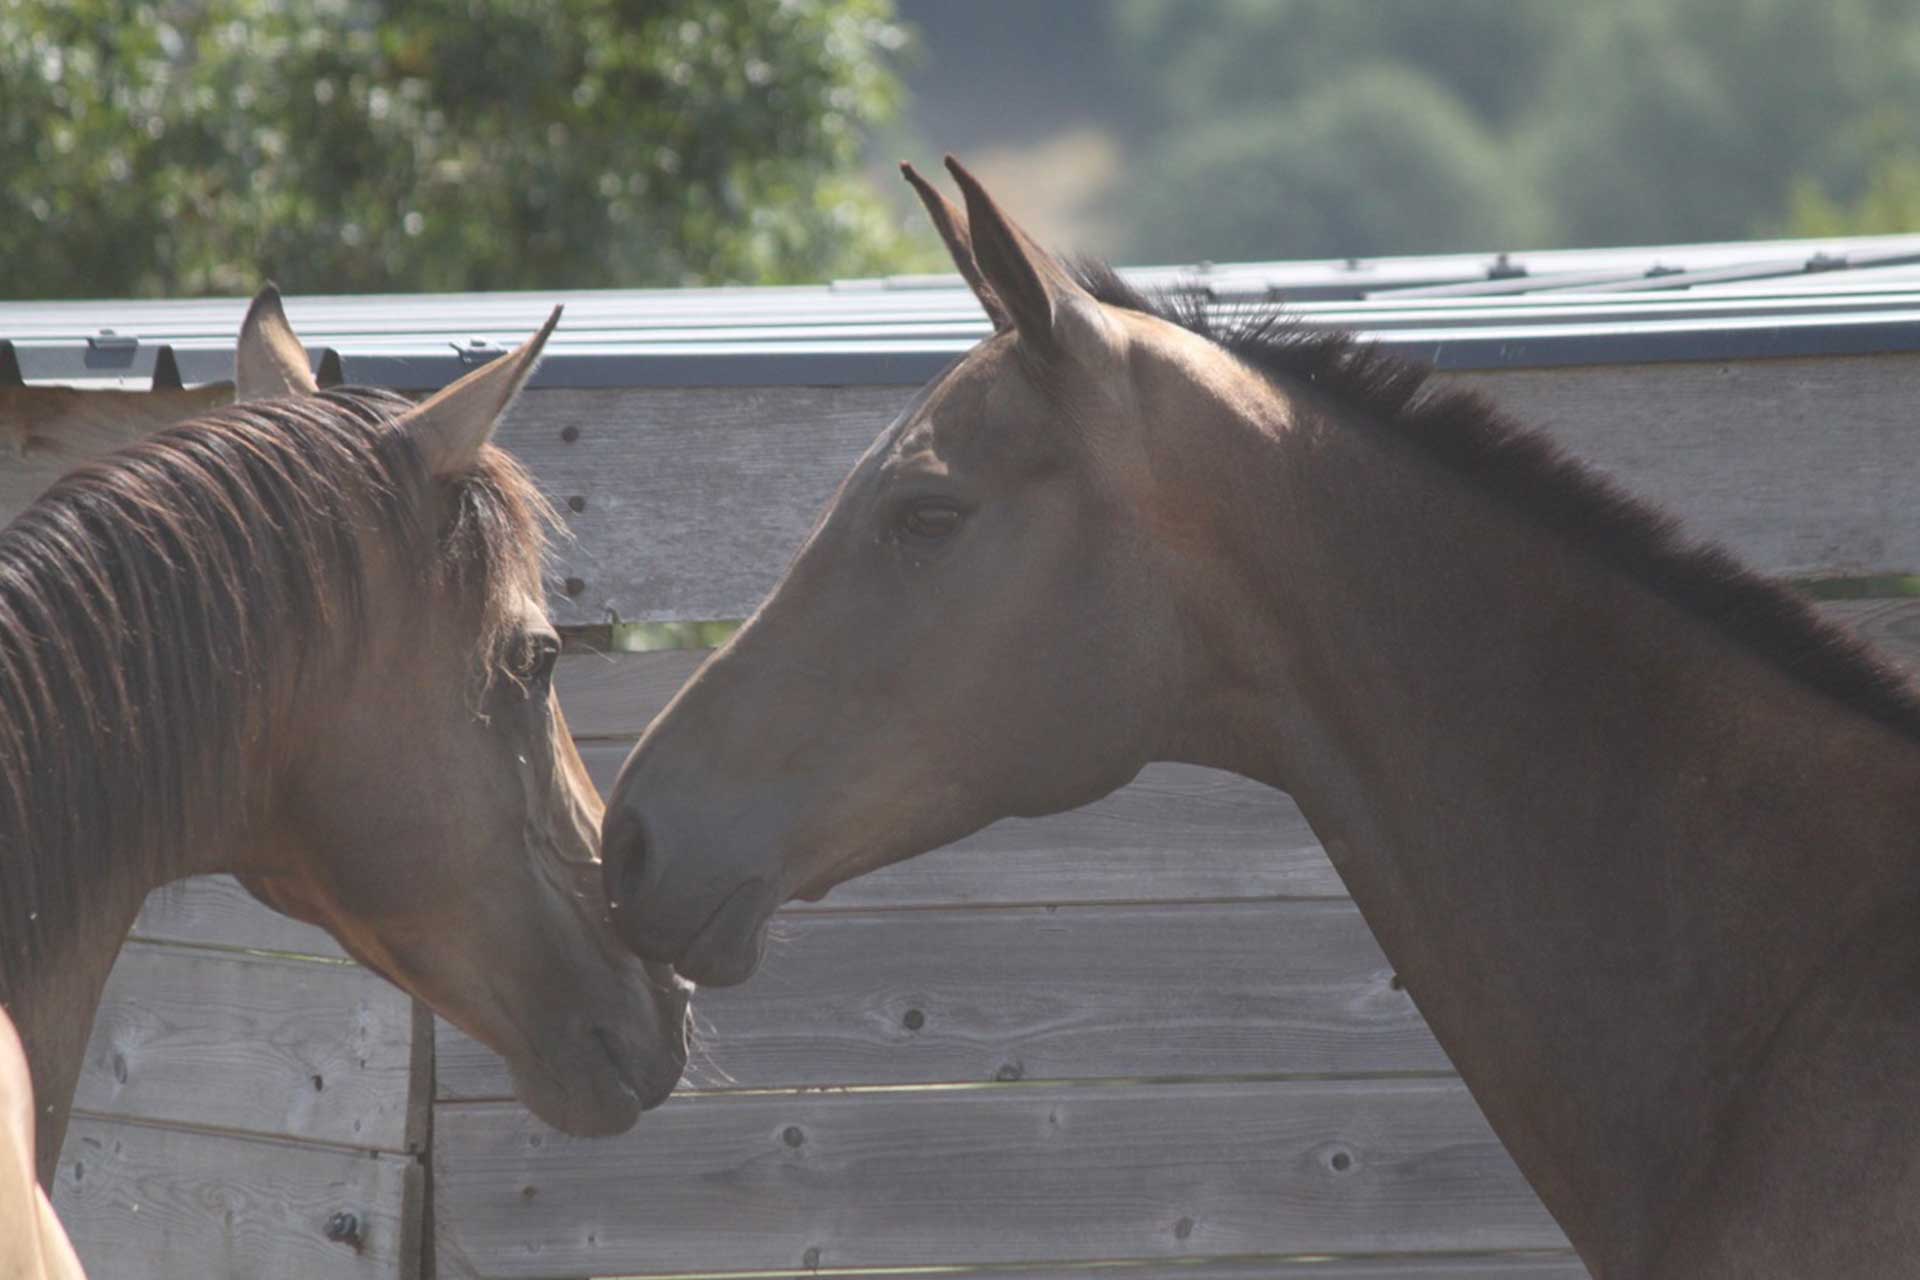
(46, 431)
(304, 641)
(1641, 834)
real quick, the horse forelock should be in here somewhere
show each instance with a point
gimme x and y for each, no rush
(150, 601)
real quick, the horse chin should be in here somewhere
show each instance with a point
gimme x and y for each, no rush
(602, 1088)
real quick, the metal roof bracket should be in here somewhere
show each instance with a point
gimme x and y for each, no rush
(109, 350)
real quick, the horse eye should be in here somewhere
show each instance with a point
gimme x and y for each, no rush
(536, 659)
(932, 521)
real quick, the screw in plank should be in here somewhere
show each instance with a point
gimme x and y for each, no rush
(574, 586)
(344, 1228)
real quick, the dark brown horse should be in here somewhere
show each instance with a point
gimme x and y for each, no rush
(1641, 834)
(304, 641)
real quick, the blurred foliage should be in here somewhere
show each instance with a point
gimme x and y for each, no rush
(200, 146)
(1382, 157)
(1696, 120)
(1514, 123)
(1883, 200)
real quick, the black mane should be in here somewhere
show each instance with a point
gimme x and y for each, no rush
(1524, 469)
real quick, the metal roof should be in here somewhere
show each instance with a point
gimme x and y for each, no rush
(1845, 296)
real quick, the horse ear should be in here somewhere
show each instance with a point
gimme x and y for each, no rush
(166, 371)
(1045, 303)
(952, 226)
(270, 361)
(452, 426)
(331, 372)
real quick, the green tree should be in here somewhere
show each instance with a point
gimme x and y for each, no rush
(1628, 121)
(1203, 60)
(1381, 161)
(1884, 198)
(1695, 121)
(197, 146)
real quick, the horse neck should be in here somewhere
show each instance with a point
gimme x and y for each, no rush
(1605, 846)
(52, 987)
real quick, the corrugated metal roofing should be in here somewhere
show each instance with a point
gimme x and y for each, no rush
(1856, 295)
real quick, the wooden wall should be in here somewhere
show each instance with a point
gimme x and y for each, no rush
(1153, 1031)
(246, 1087)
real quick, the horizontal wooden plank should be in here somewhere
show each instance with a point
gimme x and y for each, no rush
(616, 695)
(982, 1175)
(297, 1047)
(150, 1200)
(943, 996)
(1799, 467)
(1532, 1264)
(693, 499)
(216, 911)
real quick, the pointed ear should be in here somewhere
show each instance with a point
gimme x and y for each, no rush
(1047, 305)
(952, 226)
(270, 361)
(451, 427)
(331, 372)
(166, 371)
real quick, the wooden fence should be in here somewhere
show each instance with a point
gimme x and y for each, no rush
(1150, 1031)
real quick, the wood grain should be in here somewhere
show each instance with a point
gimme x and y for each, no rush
(695, 498)
(151, 1200)
(251, 1043)
(983, 1175)
(942, 996)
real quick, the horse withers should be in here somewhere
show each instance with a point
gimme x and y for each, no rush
(1636, 828)
(303, 640)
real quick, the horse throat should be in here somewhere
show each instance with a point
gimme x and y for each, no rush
(1608, 848)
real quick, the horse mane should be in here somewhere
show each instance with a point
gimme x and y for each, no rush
(1524, 469)
(151, 601)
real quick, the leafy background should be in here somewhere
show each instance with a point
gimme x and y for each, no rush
(198, 146)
